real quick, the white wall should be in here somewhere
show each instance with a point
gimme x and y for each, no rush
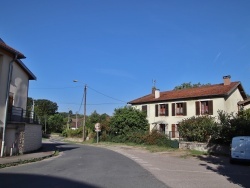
(230, 105)
(19, 84)
(3, 83)
(32, 137)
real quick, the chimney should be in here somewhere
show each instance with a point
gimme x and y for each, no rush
(227, 80)
(157, 93)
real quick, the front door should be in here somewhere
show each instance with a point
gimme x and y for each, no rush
(173, 130)
(162, 128)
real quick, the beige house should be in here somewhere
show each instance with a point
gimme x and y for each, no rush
(166, 109)
(16, 132)
(245, 104)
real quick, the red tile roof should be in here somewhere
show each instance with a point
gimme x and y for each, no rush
(199, 92)
(10, 49)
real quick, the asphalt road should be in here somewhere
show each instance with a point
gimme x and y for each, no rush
(80, 166)
(180, 171)
(125, 166)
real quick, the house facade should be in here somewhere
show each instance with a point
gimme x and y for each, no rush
(166, 109)
(15, 120)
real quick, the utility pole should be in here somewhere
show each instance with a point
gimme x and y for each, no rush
(84, 113)
(76, 121)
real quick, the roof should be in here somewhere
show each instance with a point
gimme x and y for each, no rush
(245, 102)
(217, 90)
(6, 47)
(23, 66)
(11, 50)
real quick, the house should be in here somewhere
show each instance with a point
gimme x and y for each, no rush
(76, 123)
(166, 109)
(19, 130)
(244, 104)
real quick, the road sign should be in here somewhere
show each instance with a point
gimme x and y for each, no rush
(97, 127)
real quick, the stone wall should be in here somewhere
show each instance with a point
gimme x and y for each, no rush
(207, 147)
(32, 137)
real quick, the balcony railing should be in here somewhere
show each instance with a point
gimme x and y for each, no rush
(17, 114)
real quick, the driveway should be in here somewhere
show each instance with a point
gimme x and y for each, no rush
(177, 170)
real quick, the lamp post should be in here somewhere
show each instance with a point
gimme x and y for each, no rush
(84, 110)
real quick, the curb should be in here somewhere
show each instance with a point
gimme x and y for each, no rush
(20, 161)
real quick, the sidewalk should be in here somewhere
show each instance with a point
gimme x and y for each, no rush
(47, 150)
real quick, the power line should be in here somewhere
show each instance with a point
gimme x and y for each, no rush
(107, 95)
(56, 87)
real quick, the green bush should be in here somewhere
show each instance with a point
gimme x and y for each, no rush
(153, 138)
(198, 129)
(72, 133)
(231, 125)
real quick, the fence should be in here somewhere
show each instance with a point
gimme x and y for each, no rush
(17, 114)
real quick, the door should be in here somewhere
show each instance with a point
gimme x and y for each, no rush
(247, 154)
(162, 128)
(173, 130)
(238, 147)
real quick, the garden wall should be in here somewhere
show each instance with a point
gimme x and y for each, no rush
(207, 147)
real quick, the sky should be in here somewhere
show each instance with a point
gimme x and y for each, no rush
(118, 47)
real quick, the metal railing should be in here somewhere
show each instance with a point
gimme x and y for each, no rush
(17, 114)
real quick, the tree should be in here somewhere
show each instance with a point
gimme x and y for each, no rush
(190, 85)
(29, 103)
(128, 120)
(56, 123)
(44, 107)
(94, 118)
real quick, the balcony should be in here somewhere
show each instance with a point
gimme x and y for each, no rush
(18, 115)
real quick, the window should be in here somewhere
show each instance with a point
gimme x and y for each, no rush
(161, 109)
(204, 107)
(144, 109)
(179, 109)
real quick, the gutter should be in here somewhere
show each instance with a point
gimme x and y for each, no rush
(7, 101)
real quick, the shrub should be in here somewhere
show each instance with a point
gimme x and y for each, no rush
(198, 129)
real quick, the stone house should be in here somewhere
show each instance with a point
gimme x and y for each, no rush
(166, 109)
(19, 130)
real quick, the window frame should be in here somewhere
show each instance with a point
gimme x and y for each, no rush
(208, 105)
(183, 109)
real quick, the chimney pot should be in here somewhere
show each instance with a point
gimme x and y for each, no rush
(227, 80)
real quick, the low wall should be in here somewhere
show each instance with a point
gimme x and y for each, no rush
(32, 137)
(207, 147)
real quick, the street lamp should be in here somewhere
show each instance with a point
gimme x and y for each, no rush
(84, 110)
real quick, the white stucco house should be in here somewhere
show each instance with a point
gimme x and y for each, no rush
(19, 131)
(166, 109)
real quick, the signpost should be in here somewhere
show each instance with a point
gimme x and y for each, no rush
(97, 130)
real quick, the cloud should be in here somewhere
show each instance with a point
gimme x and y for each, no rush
(217, 57)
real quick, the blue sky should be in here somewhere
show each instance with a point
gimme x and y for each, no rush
(117, 47)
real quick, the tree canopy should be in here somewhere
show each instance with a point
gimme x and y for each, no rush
(190, 85)
(44, 107)
(128, 119)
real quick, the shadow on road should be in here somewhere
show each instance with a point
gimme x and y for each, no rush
(238, 173)
(39, 181)
(46, 147)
